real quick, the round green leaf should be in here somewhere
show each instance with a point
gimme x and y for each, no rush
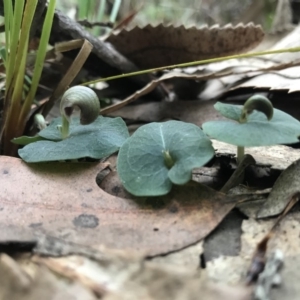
(257, 131)
(97, 140)
(141, 164)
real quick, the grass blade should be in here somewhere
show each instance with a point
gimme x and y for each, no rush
(39, 62)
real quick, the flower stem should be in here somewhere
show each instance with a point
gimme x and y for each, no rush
(64, 129)
(240, 153)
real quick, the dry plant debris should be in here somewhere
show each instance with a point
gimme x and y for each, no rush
(286, 79)
(284, 238)
(38, 283)
(234, 73)
(121, 275)
(42, 207)
(107, 275)
(269, 277)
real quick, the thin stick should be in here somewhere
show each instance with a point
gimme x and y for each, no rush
(194, 63)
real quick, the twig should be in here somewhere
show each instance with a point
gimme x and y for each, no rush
(89, 24)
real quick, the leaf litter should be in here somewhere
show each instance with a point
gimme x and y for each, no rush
(214, 74)
(286, 79)
(90, 273)
(26, 210)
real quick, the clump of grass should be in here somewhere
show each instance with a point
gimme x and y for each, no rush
(18, 19)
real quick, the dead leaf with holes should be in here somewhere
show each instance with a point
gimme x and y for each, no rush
(151, 47)
(63, 200)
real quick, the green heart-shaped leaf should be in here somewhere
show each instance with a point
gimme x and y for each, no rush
(257, 131)
(141, 161)
(97, 140)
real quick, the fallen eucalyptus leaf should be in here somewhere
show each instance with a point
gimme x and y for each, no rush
(64, 201)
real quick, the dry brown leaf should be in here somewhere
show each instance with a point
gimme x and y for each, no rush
(151, 47)
(286, 186)
(63, 200)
